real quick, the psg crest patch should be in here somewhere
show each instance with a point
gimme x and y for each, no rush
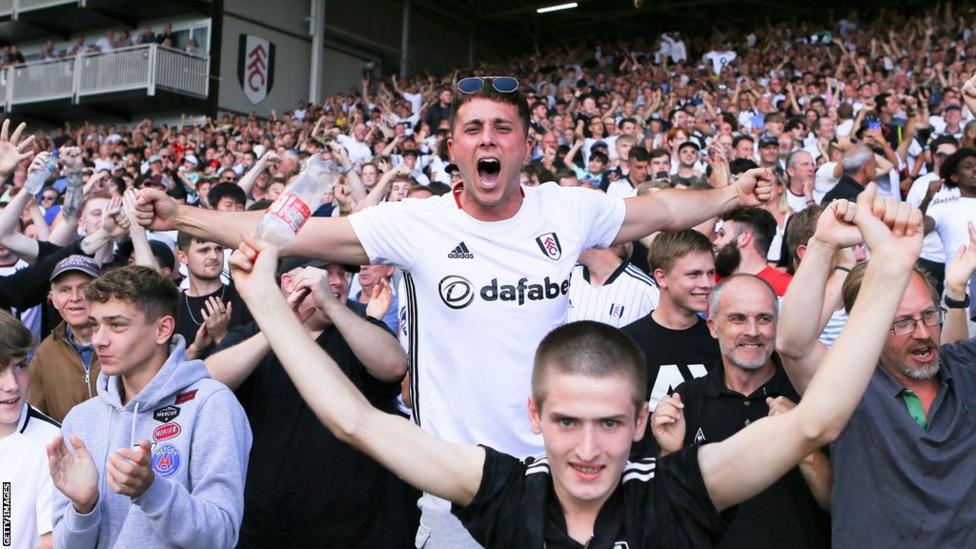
(166, 460)
(549, 244)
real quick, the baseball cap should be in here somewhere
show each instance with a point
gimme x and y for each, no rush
(768, 141)
(191, 159)
(155, 158)
(76, 263)
(600, 143)
(689, 144)
(953, 106)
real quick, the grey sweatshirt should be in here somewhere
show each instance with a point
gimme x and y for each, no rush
(201, 440)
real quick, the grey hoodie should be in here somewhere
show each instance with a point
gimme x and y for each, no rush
(201, 440)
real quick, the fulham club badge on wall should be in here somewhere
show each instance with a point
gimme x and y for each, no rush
(255, 67)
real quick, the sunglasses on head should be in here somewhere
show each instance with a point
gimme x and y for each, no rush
(474, 84)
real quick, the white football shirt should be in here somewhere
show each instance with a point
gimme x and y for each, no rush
(25, 483)
(627, 296)
(480, 296)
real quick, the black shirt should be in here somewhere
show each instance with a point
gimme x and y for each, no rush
(846, 188)
(304, 487)
(672, 357)
(783, 515)
(190, 316)
(659, 503)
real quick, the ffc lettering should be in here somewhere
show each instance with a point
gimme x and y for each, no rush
(549, 244)
(255, 67)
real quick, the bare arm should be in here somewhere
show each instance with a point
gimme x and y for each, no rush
(375, 347)
(233, 365)
(448, 470)
(958, 273)
(731, 472)
(676, 209)
(322, 237)
(797, 329)
(251, 176)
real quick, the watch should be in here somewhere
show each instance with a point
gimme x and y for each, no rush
(956, 304)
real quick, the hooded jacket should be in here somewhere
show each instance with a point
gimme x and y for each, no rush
(200, 442)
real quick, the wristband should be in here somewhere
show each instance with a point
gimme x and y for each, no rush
(956, 304)
(842, 268)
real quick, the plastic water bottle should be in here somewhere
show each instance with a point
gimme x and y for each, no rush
(282, 221)
(37, 178)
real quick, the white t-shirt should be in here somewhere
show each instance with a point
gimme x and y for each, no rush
(621, 188)
(480, 297)
(358, 151)
(950, 222)
(797, 203)
(932, 245)
(627, 296)
(824, 181)
(25, 482)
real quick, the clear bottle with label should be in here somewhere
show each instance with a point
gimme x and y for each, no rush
(282, 221)
(36, 179)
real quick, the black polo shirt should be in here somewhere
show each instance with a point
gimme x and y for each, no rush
(659, 503)
(783, 515)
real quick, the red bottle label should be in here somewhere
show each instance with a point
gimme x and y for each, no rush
(292, 210)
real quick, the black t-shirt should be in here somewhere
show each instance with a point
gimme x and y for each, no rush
(190, 317)
(659, 503)
(306, 488)
(786, 513)
(672, 357)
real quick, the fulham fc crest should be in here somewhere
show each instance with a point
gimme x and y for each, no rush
(549, 244)
(255, 67)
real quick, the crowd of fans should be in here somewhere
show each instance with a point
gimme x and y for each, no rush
(810, 119)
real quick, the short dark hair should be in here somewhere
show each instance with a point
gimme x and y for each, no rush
(951, 165)
(229, 190)
(515, 99)
(146, 288)
(591, 349)
(600, 157)
(669, 247)
(759, 222)
(183, 240)
(638, 154)
(743, 137)
(658, 153)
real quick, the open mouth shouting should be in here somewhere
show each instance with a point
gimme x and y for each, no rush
(488, 170)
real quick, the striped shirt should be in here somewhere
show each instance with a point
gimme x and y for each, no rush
(627, 295)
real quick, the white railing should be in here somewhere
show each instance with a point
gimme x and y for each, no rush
(40, 81)
(13, 7)
(139, 67)
(182, 72)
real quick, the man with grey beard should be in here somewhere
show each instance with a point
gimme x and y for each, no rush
(748, 385)
(905, 465)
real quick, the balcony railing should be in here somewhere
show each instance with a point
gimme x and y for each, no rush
(13, 7)
(147, 67)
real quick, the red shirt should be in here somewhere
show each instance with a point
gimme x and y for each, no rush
(776, 278)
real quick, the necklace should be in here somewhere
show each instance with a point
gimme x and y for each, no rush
(189, 310)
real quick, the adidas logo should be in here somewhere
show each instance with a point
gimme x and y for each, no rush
(460, 252)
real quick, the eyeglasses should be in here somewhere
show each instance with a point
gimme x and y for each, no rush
(47, 197)
(501, 84)
(930, 318)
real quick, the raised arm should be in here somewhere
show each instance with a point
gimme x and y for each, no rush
(448, 470)
(731, 472)
(958, 273)
(797, 329)
(322, 237)
(676, 209)
(375, 347)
